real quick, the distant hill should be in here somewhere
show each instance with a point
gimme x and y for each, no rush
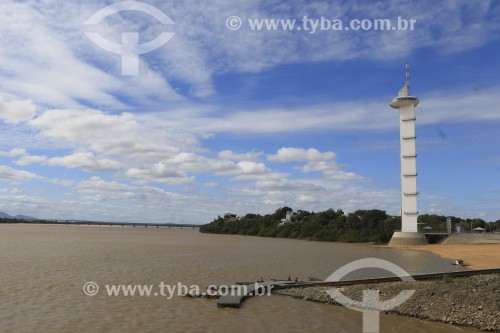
(4, 215)
(25, 217)
(18, 217)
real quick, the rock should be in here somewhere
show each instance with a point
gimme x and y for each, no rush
(458, 304)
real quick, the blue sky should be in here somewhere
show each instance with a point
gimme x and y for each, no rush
(220, 120)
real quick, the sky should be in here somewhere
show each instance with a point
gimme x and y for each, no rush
(225, 117)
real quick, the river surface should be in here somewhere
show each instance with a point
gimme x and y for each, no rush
(43, 270)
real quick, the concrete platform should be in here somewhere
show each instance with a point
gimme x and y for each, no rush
(408, 238)
(463, 238)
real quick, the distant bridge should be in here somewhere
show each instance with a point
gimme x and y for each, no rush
(118, 224)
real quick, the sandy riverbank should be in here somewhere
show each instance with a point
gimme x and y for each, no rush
(475, 256)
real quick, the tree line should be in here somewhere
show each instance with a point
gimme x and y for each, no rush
(331, 225)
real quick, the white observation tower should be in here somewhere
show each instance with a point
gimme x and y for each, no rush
(406, 104)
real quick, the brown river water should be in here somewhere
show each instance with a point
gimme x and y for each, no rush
(43, 270)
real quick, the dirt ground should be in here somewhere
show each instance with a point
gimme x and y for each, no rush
(475, 256)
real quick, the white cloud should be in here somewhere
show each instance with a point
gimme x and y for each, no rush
(440, 106)
(244, 169)
(459, 106)
(27, 159)
(290, 154)
(45, 42)
(159, 172)
(96, 183)
(101, 188)
(62, 182)
(332, 116)
(213, 49)
(13, 190)
(84, 125)
(10, 174)
(124, 134)
(13, 152)
(316, 161)
(86, 161)
(178, 169)
(287, 185)
(17, 111)
(330, 170)
(203, 47)
(232, 156)
(41, 71)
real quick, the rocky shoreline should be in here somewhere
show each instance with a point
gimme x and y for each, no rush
(472, 301)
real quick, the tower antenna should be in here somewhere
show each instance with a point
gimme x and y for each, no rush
(408, 76)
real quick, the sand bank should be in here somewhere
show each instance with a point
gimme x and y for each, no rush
(475, 256)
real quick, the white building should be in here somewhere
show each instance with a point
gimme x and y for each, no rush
(287, 219)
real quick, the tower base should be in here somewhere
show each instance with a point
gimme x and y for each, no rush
(408, 238)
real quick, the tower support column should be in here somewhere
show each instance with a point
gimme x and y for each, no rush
(406, 104)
